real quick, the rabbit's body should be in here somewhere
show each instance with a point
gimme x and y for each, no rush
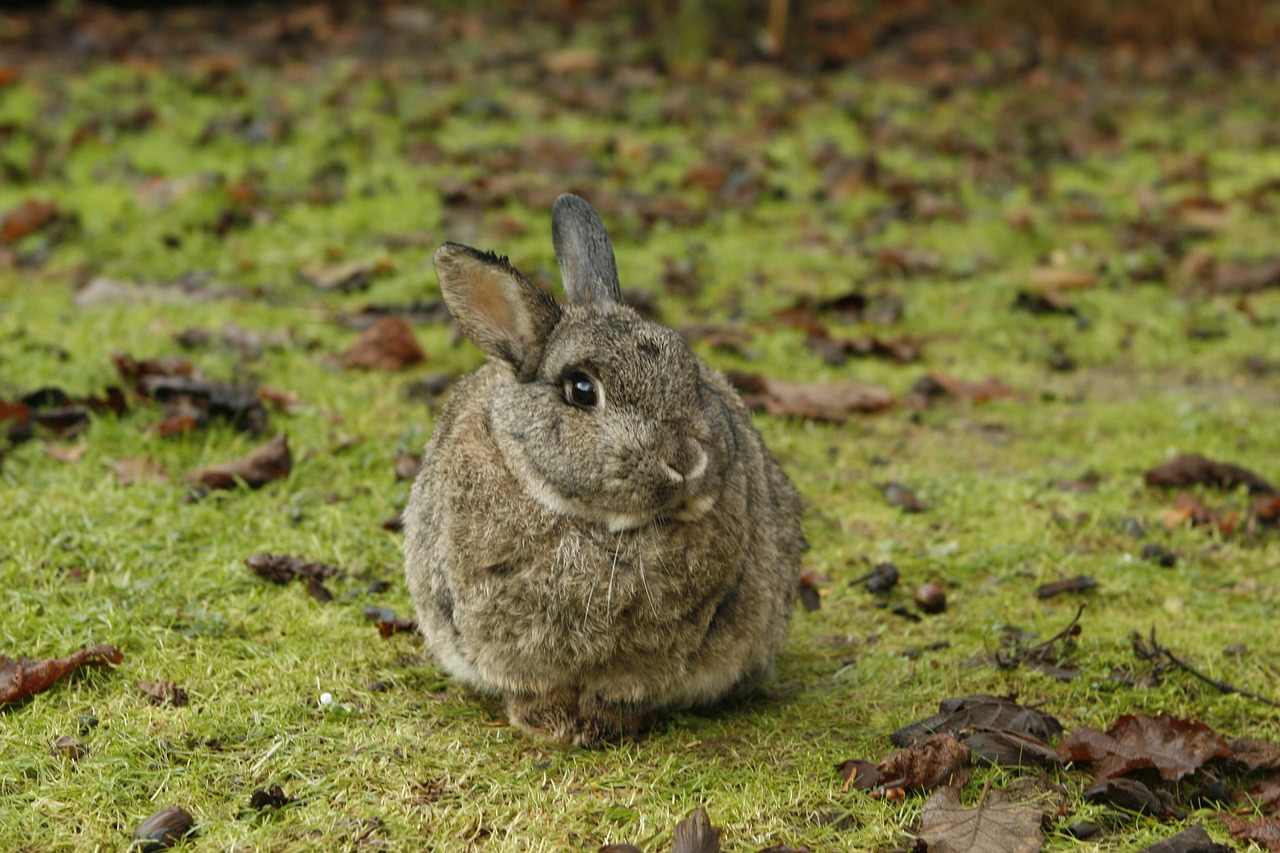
(594, 563)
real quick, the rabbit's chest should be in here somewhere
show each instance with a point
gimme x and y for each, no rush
(582, 586)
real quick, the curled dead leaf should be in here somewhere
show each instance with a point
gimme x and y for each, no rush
(389, 344)
(270, 462)
(21, 678)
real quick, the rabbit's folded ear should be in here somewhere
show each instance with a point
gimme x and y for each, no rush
(585, 254)
(499, 309)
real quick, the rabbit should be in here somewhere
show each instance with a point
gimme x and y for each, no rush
(597, 532)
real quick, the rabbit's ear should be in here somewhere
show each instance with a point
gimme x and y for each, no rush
(585, 254)
(499, 309)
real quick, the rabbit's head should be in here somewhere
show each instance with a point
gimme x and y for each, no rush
(604, 416)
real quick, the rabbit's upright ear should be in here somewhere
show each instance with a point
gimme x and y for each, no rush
(585, 254)
(499, 309)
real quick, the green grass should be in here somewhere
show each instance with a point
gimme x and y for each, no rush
(421, 764)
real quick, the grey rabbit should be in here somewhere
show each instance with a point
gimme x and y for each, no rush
(597, 532)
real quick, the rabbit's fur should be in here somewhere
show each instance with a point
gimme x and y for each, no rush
(594, 564)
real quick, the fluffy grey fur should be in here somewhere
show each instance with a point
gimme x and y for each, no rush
(594, 564)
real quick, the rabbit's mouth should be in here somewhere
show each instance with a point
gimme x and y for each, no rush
(684, 509)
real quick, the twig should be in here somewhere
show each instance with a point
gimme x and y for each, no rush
(1037, 653)
(1157, 650)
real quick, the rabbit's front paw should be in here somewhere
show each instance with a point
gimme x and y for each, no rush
(566, 716)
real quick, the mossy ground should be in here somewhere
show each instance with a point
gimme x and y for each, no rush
(422, 764)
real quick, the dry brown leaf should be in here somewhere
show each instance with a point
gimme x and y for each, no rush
(974, 392)
(137, 470)
(1266, 795)
(989, 713)
(388, 344)
(270, 462)
(163, 692)
(27, 218)
(1058, 279)
(281, 401)
(1174, 747)
(344, 277)
(283, 568)
(163, 829)
(938, 759)
(695, 834)
(1256, 754)
(859, 774)
(69, 454)
(995, 825)
(819, 401)
(1191, 840)
(571, 59)
(1264, 831)
(22, 678)
(1190, 469)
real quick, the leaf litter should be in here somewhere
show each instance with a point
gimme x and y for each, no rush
(21, 678)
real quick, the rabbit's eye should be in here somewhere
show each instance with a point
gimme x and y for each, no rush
(580, 391)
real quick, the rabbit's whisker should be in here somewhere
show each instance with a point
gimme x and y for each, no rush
(645, 581)
(613, 572)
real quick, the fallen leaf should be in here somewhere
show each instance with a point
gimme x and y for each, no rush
(269, 798)
(1255, 754)
(21, 678)
(387, 623)
(1266, 510)
(820, 401)
(137, 470)
(388, 344)
(163, 829)
(1263, 831)
(345, 277)
(1265, 794)
(938, 384)
(981, 712)
(899, 496)
(1174, 747)
(163, 693)
(1189, 469)
(283, 568)
(1057, 279)
(1127, 794)
(995, 825)
(1079, 583)
(69, 747)
(1187, 507)
(27, 218)
(938, 759)
(1191, 840)
(858, 774)
(695, 834)
(1010, 749)
(318, 591)
(809, 596)
(281, 401)
(270, 462)
(70, 454)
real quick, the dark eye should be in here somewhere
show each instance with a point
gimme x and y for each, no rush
(580, 390)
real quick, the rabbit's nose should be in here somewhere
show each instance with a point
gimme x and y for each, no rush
(693, 462)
